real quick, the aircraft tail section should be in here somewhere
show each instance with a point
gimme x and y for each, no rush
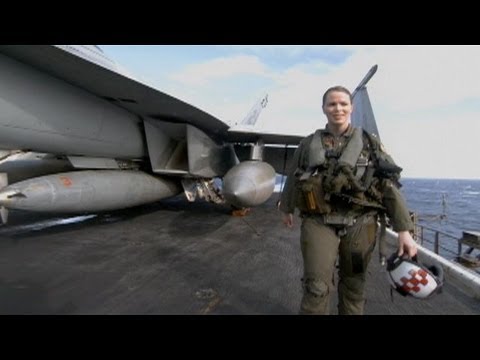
(250, 120)
(362, 115)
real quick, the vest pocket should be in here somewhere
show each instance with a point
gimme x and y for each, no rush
(310, 197)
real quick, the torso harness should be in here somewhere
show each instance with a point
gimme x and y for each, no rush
(347, 175)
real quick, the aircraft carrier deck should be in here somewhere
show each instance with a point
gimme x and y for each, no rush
(174, 258)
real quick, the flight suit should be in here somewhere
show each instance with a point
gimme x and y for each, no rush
(351, 240)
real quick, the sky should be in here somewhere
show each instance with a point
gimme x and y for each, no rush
(426, 98)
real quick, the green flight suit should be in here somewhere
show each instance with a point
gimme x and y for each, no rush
(321, 243)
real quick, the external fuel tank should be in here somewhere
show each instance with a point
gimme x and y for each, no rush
(87, 191)
(249, 183)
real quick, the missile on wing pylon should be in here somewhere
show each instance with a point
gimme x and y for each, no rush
(87, 191)
(249, 183)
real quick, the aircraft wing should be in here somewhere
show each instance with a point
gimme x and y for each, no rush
(100, 77)
(267, 138)
(126, 142)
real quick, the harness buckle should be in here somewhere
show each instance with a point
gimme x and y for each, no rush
(338, 220)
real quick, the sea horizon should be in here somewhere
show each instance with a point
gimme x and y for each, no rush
(431, 178)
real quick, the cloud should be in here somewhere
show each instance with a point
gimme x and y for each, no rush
(435, 147)
(220, 68)
(415, 78)
(418, 95)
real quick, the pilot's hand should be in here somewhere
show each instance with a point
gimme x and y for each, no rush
(287, 220)
(406, 244)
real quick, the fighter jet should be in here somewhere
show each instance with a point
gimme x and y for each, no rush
(112, 142)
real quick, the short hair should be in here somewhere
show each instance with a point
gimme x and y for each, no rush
(339, 89)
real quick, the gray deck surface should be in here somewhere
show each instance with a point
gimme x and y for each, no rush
(174, 258)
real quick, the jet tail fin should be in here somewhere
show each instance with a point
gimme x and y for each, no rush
(362, 115)
(250, 120)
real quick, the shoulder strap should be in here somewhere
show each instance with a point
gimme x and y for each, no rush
(316, 153)
(351, 152)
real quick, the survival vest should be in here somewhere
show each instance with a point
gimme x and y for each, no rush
(350, 174)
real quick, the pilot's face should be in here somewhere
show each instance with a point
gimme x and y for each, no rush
(338, 108)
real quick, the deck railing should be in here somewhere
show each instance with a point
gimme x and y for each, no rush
(435, 237)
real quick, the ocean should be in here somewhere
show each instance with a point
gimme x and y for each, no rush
(448, 205)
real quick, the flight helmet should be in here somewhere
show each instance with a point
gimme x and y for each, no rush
(410, 277)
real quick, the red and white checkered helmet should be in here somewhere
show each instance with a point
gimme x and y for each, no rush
(409, 277)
